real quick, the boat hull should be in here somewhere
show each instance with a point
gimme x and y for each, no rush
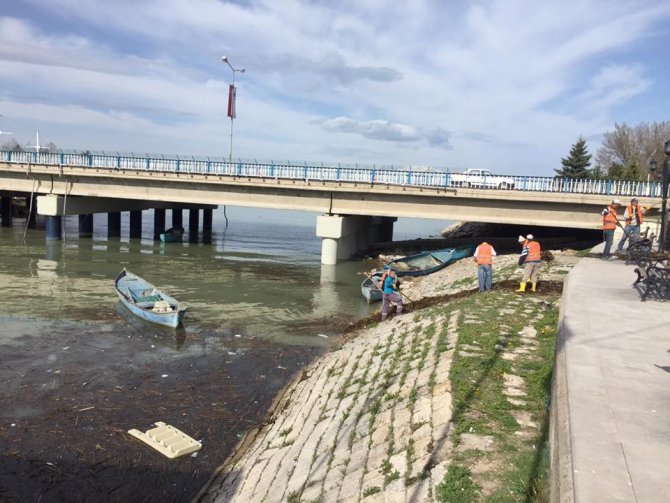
(369, 291)
(147, 302)
(425, 263)
(172, 235)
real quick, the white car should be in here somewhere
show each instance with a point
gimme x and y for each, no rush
(480, 178)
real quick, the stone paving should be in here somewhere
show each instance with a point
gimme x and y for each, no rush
(368, 422)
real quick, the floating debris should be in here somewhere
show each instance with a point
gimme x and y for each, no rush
(167, 440)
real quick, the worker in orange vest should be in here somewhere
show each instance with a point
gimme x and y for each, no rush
(610, 223)
(530, 258)
(633, 217)
(484, 259)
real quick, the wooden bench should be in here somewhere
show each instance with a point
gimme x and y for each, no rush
(653, 279)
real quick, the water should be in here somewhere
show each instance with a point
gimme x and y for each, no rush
(79, 370)
(260, 276)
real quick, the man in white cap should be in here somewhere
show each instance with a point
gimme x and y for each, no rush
(530, 258)
(610, 223)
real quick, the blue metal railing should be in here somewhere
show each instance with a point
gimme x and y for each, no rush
(355, 174)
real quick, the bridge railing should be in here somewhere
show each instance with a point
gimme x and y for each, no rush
(367, 175)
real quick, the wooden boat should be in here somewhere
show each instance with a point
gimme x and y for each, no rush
(369, 290)
(148, 302)
(429, 262)
(172, 235)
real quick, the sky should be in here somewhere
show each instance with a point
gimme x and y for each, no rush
(507, 85)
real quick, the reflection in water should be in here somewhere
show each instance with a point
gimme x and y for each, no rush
(325, 297)
(256, 280)
(173, 338)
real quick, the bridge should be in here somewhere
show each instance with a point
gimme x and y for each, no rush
(357, 206)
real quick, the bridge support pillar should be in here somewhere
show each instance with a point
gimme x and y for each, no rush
(86, 226)
(344, 235)
(6, 211)
(136, 224)
(193, 224)
(177, 220)
(207, 214)
(159, 223)
(114, 224)
(54, 227)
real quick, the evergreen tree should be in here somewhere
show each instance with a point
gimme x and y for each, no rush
(632, 172)
(616, 171)
(597, 173)
(576, 165)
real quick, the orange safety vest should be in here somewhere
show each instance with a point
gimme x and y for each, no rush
(631, 214)
(484, 254)
(610, 220)
(534, 252)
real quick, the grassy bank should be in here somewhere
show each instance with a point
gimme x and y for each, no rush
(501, 378)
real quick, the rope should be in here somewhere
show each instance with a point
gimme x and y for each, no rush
(65, 207)
(30, 210)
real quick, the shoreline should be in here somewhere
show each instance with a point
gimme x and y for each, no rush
(312, 477)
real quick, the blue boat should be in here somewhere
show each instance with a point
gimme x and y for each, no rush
(172, 235)
(146, 301)
(369, 288)
(429, 262)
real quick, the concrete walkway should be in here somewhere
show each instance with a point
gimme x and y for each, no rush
(612, 390)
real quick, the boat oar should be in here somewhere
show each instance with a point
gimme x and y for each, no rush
(404, 295)
(397, 290)
(371, 281)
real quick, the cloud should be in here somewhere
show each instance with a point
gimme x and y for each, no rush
(332, 80)
(615, 84)
(387, 131)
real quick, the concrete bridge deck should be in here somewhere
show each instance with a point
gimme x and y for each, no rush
(369, 192)
(357, 206)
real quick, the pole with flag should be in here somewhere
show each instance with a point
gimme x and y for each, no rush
(232, 111)
(231, 101)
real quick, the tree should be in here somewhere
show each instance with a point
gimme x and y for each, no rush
(632, 172)
(11, 145)
(576, 165)
(632, 148)
(616, 171)
(50, 147)
(597, 173)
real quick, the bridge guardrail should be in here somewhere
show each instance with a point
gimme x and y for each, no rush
(372, 176)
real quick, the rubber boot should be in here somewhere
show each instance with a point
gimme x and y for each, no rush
(533, 286)
(522, 287)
